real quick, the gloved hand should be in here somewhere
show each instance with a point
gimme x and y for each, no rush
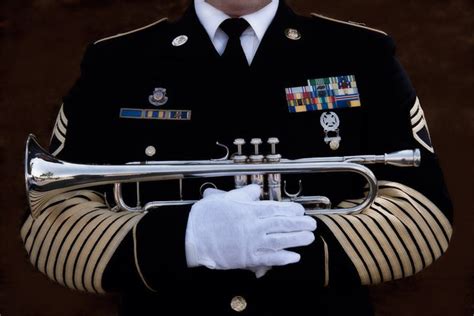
(234, 230)
(259, 271)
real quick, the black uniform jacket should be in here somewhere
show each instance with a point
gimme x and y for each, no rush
(406, 229)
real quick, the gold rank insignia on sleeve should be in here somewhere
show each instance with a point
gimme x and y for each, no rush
(419, 126)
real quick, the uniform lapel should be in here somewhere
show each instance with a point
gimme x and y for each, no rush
(199, 46)
(275, 45)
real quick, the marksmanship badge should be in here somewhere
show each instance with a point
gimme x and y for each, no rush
(158, 97)
(330, 124)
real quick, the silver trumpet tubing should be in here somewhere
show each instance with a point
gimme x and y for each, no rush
(47, 176)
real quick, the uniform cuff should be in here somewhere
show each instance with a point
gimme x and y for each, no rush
(313, 265)
(160, 246)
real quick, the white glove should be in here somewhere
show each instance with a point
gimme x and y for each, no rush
(234, 230)
(259, 271)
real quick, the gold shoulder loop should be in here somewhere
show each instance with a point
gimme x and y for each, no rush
(361, 25)
(132, 31)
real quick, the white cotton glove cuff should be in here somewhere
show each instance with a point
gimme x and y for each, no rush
(234, 230)
(192, 258)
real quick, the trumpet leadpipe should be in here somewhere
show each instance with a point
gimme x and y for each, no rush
(402, 158)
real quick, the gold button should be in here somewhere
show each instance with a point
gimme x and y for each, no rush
(238, 303)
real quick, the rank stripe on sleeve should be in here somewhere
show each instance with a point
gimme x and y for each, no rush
(387, 245)
(326, 261)
(75, 237)
(411, 233)
(348, 248)
(43, 250)
(412, 228)
(429, 206)
(58, 137)
(88, 195)
(94, 244)
(419, 126)
(35, 239)
(366, 247)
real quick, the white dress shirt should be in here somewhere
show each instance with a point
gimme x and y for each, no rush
(259, 21)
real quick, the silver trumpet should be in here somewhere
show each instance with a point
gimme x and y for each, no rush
(47, 176)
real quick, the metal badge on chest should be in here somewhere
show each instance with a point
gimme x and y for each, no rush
(322, 94)
(158, 97)
(330, 124)
(179, 40)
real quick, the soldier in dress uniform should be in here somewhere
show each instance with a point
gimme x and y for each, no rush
(231, 70)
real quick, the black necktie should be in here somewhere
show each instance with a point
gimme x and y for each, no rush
(234, 56)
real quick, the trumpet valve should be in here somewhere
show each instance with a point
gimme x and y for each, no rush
(240, 180)
(274, 187)
(256, 142)
(273, 180)
(256, 157)
(239, 157)
(273, 156)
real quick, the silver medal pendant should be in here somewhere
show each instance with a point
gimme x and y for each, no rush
(330, 124)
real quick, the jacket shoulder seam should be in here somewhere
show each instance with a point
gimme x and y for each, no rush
(354, 24)
(132, 31)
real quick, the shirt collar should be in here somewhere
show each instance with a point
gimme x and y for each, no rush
(211, 17)
(261, 19)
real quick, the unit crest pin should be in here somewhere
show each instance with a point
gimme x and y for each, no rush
(293, 34)
(179, 40)
(158, 97)
(330, 124)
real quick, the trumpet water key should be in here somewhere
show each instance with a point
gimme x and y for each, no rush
(47, 176)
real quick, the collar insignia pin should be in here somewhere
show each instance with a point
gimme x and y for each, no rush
(158, 97)
(330, 123)
(293, 34)
(179, 40)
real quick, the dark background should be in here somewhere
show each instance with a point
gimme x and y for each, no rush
(41, 45)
